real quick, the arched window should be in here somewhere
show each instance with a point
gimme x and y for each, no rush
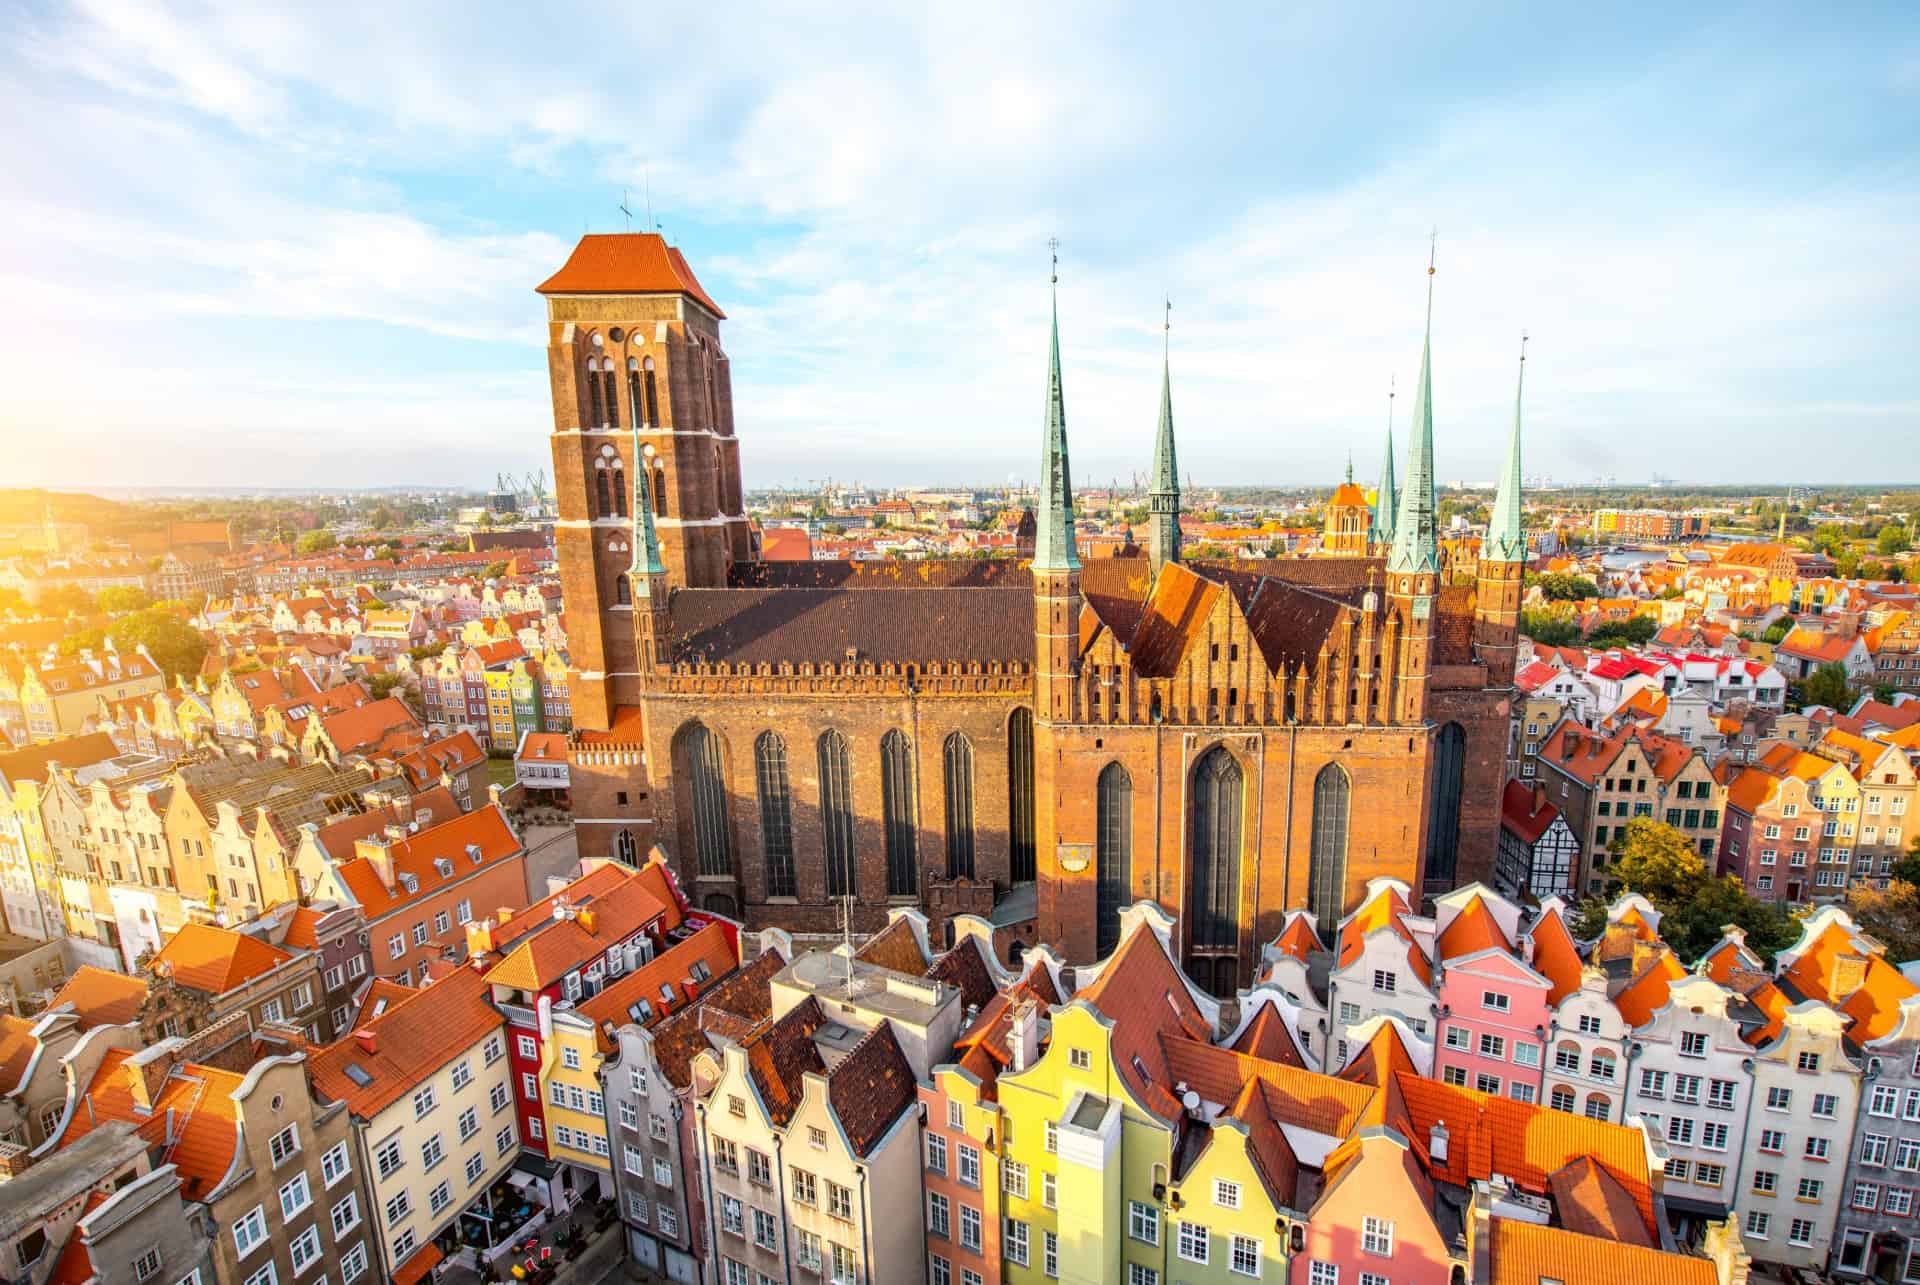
(1214, 855)
(1443, 820)
(599, 415)
(721, 903)
(624, 848)
(896, 802)
(712, 836)
(602, 492)
(957, 761)
(776, 813)
(613, 398)
(660, 492)
(622, 590)
(1599, 1106)
(1327, 859)
(619, 485)
(653, 401)
(1020, 795)
(1112, 854)
(635, 406)
(836, 814)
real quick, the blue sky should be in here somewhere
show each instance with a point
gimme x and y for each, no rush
(261, 247)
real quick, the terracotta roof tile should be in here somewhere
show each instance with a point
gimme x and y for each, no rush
(1874, 1006)
(1591, 1201)
(1527, 1254)
(1646, 995)
(1527, 1142)
(415, 858)
(895, 947)
(1474, 929)
(739, 1002)
(780, 1051)
(550, 953)
(665, 982)
(1305, 1099)
(76, 1264)
(413, 1039)
(870, 1087)
(1298, 938)
(101, 998)
(1556, 956)
(965, 969)
(216, 960)
(1267, 1036)
(380, 997)
(627, 263)
(1146, 997)
(31, 764)
(367, 725)
(1525, 810)
(17, 1047)
(196, 1104)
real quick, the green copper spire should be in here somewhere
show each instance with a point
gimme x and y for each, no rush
(1053, 548)
(1416, 546)
(1505, 541)
(1387, 496)
(1163, 545)
(646, 542)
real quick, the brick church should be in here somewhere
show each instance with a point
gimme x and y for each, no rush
(1051, 737)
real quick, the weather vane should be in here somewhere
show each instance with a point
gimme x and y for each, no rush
(1053, 244)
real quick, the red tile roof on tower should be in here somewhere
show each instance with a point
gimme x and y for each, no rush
(194, 1108)
(101, 998)
(627, 263)
(217, 960)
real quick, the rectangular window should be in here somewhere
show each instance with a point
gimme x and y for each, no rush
(1458, 1037)
(1319, 1273)
(1772, 1141)
(431, 1152)
(970, 1228)
(1498, 1001)
(250, 1230)
(1226, 1194)
(423, 1101)
(1816, 1148)
(284, 1145)
(936, 1154)
(804, 1191)
(840, 1201)
(399, 1205)
(1825, 1105)
(474, 1168)
(294, 1196)
(1800, 1232)
(1376, 1236)
(969, 1165)
(939, 1215)
(1386, 983)
(1493, 1046)
(1809, 1189)
(1765, 1182)
(1779, 1099)
(1193, 1242)
(1244, 1258)
(1015, 1246)
(333, 1164)
(1050, 1254)
(1013, 1179)
(1143, 1223)
(462, 1075)
(305, 1249)
(1759, 1224)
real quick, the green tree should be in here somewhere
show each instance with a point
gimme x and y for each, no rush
(81, 640)
(317, 542)
(381, 686)
(118, 599)
(494, 570)
(1655, 860)
(1892, 916)
(1550, 629)
(381, 518)
(1635, 631)
(1891, 540)
(64, 600)
(1827, 686)
(1776, 632)
(1558, 586)
(175, 646)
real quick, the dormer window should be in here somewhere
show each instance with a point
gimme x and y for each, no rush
(410, 883)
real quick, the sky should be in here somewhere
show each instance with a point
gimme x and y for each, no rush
(249, 245)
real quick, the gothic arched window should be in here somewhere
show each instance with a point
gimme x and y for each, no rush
(836, 814)
(706, 781)
(957, 760)
(1112, 854)
(635, 406)
(660, 492)
(1020, 795)
(619, 486)
(776, 813)
(1327, 857)
(599, 415)
(613, 398)
(1215, 851)
(1443, 820)
(622, 590)
(653, 400)
(896, 802)
(603, 493)
(624, 848)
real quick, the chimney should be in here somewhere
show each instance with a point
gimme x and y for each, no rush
(147, 1072)
(15, 1159)
(368, 1041)
(1023, 1035)
(1848, 974)
(378, 854)
(479, 936)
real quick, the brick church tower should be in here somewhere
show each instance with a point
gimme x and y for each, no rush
(642, 408)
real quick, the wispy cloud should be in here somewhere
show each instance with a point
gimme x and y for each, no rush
(1709, 238)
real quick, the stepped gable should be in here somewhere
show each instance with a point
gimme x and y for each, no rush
(821, 626)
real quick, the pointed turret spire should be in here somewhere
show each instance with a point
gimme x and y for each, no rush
(647, 567)
(1505, 541)
(1388, 495)
(1349, 466)
(1416, 546)
(1163, 544)
(1053, 546)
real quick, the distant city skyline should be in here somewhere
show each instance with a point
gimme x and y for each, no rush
(248, 248)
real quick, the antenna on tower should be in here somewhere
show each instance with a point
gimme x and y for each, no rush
(624, 210)
(646, 180)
